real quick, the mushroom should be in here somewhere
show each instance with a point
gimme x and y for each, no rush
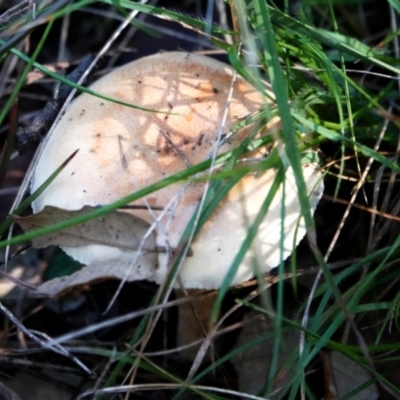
(123, 149)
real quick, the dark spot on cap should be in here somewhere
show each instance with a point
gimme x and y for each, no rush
(200, 139)
(139, 81)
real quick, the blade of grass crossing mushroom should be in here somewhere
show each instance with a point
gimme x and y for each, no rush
(218, 190)
(272, 65)
(261, 21)
(179, 176)
(182, 175)
(270, 60)
(276, 75)
(252, 231)
(27, 202)
(109, 207)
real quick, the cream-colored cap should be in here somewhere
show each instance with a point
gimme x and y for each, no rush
(123, 149)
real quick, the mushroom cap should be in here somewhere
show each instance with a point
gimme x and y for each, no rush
(123, 149)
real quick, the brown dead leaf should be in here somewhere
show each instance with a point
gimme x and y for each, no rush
(253, 364)
(116, 229)
(349, 376)
(30, 387)
(7, 394)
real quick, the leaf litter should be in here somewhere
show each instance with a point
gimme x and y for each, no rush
(116, 229)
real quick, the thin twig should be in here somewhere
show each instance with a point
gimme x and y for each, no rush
(42, 339)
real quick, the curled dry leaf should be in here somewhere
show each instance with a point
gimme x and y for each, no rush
(96, 273)
(117, 229)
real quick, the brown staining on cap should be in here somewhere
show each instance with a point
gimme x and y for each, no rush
(171, 145)
(190, 114)
(96, 143)
(121, 153)
(200, 139)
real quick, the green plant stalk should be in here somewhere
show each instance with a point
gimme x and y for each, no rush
(179, 176)
(25, 72)
(9, 142)
(27, 202)
(348, 105)
(351, 351)
(331, 135)
(83, 88)
(252, 231)
(42, 18)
